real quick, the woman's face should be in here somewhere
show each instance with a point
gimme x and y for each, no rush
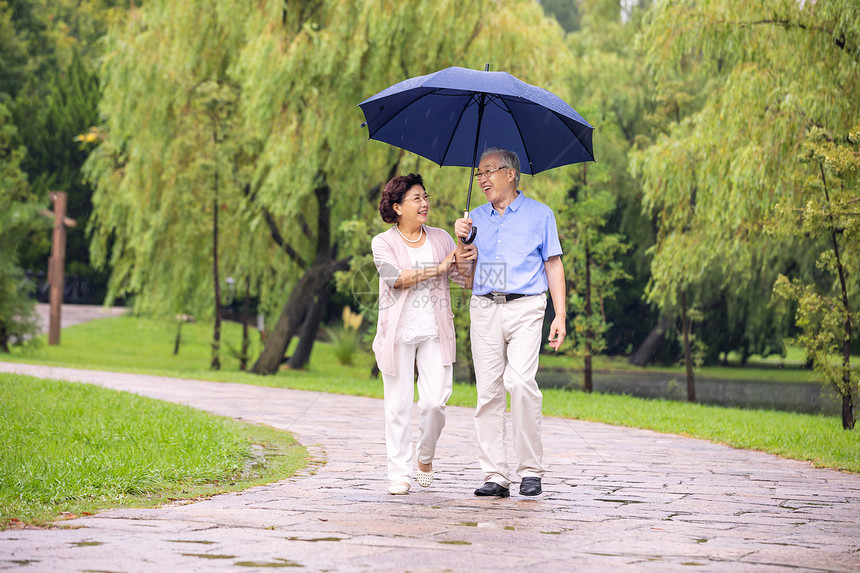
(414, 206)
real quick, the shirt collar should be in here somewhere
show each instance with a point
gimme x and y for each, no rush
(515, 204)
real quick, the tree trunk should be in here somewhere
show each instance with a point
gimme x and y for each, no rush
(246, 310)
(216, 335)
(4, 338)
(473, 380)
(589, 386)
(178, 339)
(301, 299)
(848, 411)
(845, 389)
(646, 351)
(293, 313)
(313, 317)
(686, 326)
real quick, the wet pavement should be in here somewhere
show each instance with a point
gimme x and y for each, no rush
(616, 499)
(75, 314)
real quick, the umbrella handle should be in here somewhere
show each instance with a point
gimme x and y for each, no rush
(468, 240)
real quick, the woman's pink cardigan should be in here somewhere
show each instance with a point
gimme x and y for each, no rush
(391, 257)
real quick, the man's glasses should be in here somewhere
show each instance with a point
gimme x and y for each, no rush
(417, 199)
(488, 172)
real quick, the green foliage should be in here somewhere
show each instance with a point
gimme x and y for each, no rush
(826, 207)
(51, 123)
(566, 12)
(170, 159)
(346, 336)
(821, 320)
(18, 216)
(611, 89)
(14, 44)
(345, 342)
(590, 253)
(78, 448)
(741, 97)
(293, 129)
(48, 49)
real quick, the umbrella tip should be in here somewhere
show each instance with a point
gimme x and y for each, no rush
(487, 67)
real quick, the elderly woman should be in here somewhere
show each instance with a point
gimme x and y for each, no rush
(415, 328)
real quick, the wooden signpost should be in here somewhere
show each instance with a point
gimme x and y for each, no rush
(57, 263)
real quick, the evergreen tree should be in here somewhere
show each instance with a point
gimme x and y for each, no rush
(18, 215)
(58, 140)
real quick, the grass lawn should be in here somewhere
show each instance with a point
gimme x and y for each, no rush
(141, 345)
(770, 369)
(74, 449)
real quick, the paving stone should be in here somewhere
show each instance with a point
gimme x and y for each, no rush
(615, 498)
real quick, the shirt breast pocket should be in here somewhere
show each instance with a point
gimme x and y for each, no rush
(524, 242)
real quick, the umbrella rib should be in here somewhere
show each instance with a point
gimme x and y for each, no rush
(399, 112)
(519, 131)
(457, 125)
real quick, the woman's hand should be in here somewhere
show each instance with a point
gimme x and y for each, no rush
(469, 252)
(443, 267)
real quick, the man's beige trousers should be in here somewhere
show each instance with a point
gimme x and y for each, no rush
(506, 339)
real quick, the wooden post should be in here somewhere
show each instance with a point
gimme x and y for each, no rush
(57, 265)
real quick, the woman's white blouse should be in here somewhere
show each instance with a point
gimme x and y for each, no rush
(418, 320)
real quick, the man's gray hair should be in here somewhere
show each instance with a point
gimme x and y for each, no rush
(506, 159)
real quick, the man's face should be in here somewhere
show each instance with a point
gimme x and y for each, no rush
(496, 183)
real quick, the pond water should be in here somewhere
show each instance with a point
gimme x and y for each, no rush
(802, 397)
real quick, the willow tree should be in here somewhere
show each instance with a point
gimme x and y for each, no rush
(292, 168)
(779, 73)
(168, 173)
(303, 74)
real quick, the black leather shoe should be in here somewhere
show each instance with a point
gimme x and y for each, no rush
(530, 486)
(493, 489)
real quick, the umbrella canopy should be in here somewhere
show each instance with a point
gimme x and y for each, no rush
(452, 115)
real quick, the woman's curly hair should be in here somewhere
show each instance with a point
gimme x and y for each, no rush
(393, 193)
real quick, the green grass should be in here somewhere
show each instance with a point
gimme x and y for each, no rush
(817, 439)
(74, 449)
(141, 345)
(770, 369)
(145, 346)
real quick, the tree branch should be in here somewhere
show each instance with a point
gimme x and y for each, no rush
(303, 223)
(840, 40)
(279, 239)
(274, 231)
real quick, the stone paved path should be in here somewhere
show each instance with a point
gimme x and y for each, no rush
(75, 314)
(617, 499)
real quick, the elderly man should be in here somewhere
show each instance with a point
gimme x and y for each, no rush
(519, 259)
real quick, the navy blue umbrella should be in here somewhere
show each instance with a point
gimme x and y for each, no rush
(450, 115)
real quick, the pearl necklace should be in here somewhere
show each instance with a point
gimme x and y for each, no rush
(420, 232)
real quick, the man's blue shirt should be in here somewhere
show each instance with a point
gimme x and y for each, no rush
(512, 248)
